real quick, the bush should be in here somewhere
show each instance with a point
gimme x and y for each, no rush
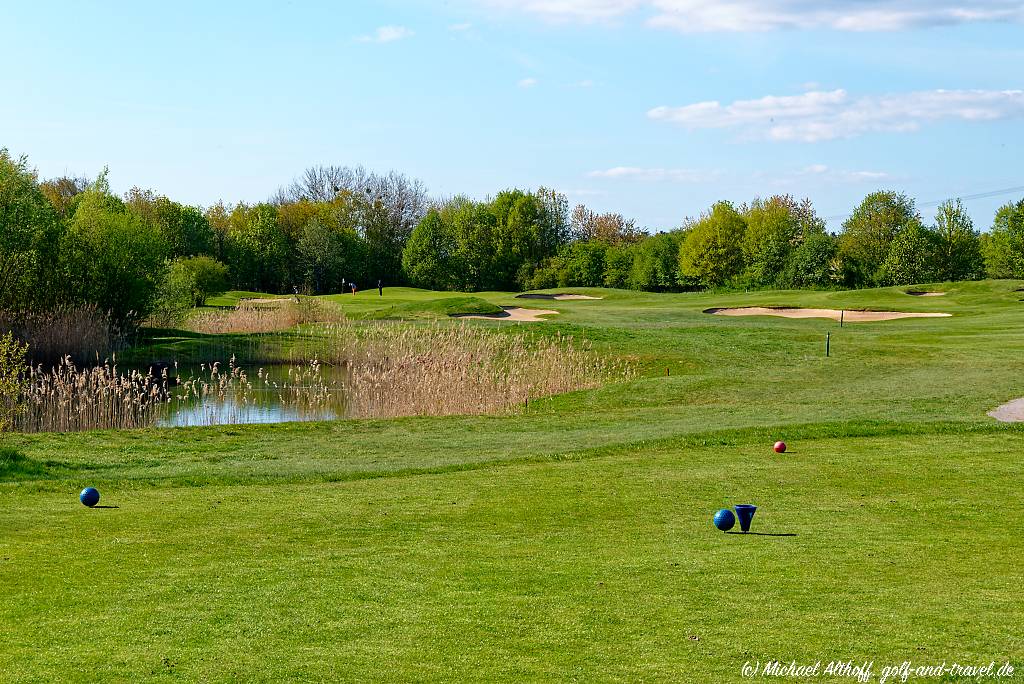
(813, 264)
(12, 370)
(618, 262)
(654, 265)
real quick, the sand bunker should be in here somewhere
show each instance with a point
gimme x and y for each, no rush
(834, 314)
(559, 297)
(1010, 412)
(919, 293)
(512, 313)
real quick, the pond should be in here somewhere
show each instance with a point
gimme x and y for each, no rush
(272, 394)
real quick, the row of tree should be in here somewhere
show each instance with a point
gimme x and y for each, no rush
(777, 242)
(67, 241)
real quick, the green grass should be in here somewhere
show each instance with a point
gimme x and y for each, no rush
(432, 309)
(571, 541)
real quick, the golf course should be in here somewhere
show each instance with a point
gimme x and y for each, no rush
(566, 538)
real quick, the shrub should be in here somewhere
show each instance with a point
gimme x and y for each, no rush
(813, 264)
(654, 263)
(12, 367)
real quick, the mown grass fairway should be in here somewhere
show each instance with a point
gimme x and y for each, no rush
(570, 541)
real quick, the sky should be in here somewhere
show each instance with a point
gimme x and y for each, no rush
(652, 108)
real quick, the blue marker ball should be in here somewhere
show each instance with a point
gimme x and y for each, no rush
(89, 496)
(724, 520)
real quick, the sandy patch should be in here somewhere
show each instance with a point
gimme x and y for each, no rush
(919, 293)
(559, 297)
(834, 314)
(1010, 412)
(512, 313)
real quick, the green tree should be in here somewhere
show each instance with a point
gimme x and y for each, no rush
(112, 258)
(185, 229)
(813, 264)
(553, 229)
(912, 257)
(517, 219)
(474, 226)
(583, 265)
(29, 236)
(772, 233)
(174, 298)
(654, 265)
(1003, 245)
(712, 252)
(958, 250)
(259, 252)
(208, 277)
(618, 264)
(868, 233)
(431, 256)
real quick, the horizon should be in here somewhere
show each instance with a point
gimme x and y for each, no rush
(651, 109)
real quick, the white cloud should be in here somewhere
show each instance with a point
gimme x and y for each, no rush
(820, 115)
(387, 34)
(652, 175)
(570, 10)
(694, 16)
(527, 82)
(824, 172)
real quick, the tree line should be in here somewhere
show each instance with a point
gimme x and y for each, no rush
(69, 241)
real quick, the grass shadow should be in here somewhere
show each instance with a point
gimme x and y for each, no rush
(15, 465)
(765, 534)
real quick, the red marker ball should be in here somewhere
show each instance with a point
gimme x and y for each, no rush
(780, 447)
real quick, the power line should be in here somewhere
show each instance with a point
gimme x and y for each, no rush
(935, 203)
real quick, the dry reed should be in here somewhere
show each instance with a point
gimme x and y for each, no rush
(386, 370)
(264, 316)
(68, 399)
(82, 332)
(445, 369)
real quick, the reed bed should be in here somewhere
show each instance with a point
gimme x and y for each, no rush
(457, 369)
(82, 332)
(68, 399)
(378, 370)
(264, 316)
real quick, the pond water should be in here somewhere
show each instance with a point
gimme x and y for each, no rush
(272, 394)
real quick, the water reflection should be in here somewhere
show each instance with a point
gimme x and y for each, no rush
(273, 394)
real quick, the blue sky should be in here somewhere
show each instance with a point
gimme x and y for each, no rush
(653, 108)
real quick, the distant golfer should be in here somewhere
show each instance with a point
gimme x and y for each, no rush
(380, 288)
(353, 288)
